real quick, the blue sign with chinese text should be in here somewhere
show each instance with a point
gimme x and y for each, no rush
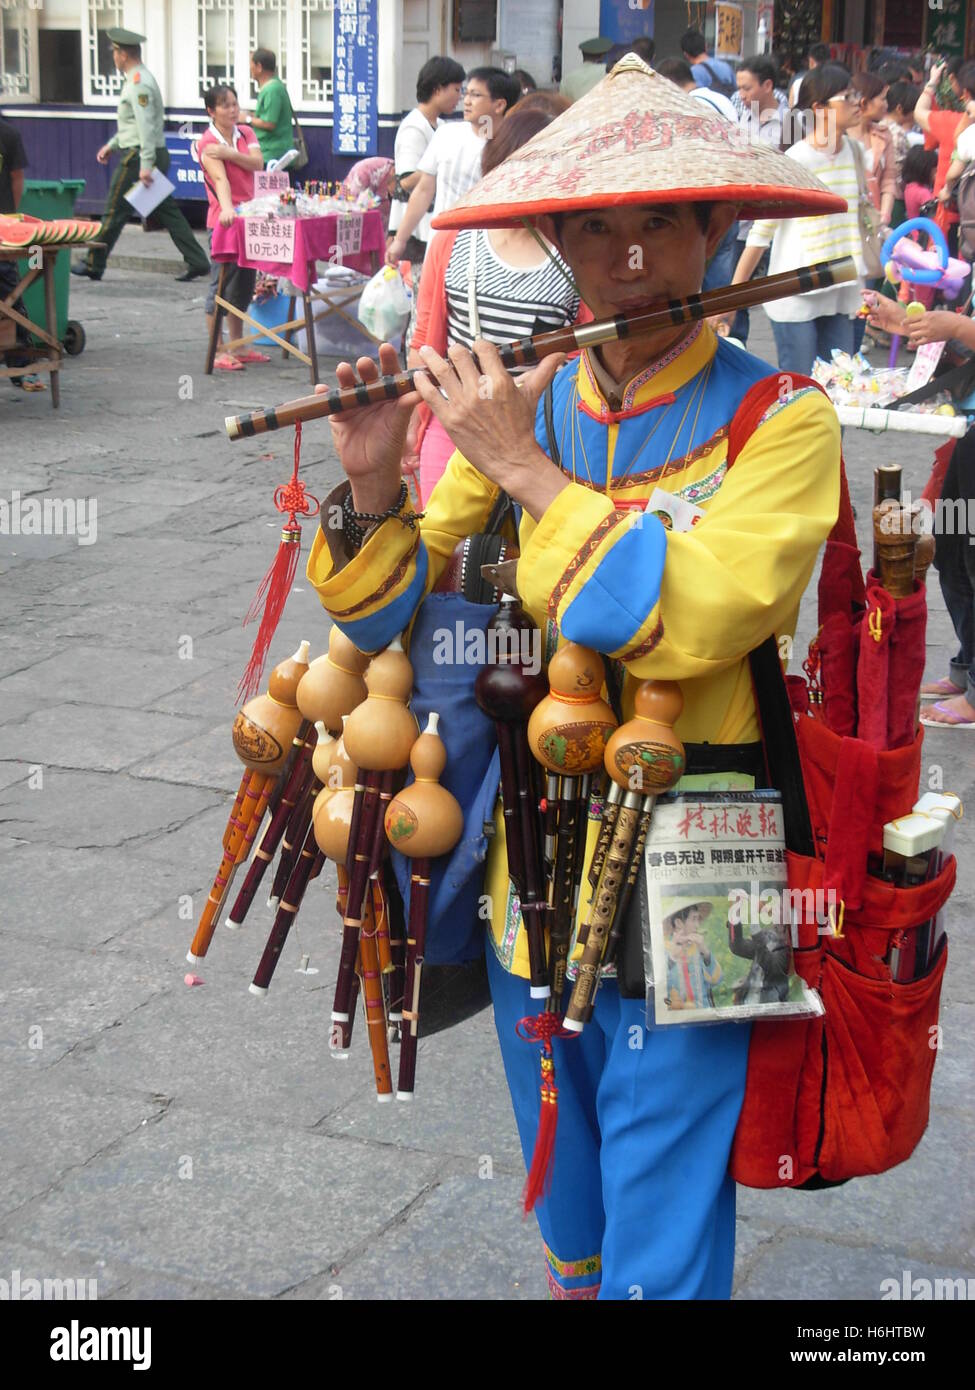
(623, 20)
(184, 170)
(355, 80)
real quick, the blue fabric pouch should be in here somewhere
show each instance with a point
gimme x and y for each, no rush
(455, 931)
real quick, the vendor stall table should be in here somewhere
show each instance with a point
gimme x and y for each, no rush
(47, 334)
(315, 239)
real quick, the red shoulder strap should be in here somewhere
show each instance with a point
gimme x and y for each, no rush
(755, 403)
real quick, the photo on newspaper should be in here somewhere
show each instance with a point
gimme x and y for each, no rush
(719, 912)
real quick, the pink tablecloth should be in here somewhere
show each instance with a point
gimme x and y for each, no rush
(315, 240)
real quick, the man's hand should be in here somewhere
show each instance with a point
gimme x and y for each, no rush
(146, 176)
(936, 327)
(489, 416)
(103, 154)
(395, 251)
(410, 462)
(369, 441)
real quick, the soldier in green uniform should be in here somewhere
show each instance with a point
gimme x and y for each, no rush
(142, 147)
(577, 83)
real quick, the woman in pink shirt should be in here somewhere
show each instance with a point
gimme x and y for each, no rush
(229, 155)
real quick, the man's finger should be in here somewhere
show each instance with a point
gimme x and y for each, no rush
(464, 365)
(534, 383)
(344, 375)
(442, 370)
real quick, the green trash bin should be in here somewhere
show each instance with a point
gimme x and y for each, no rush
(50, 199)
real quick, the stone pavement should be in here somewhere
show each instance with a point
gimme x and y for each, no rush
(198, 1142)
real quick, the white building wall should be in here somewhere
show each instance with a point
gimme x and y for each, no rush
(580, 21)
(410, 32)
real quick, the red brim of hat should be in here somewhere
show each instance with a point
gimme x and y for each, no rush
(776, 203)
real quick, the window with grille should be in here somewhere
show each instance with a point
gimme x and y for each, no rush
(104, 82)
(316, 51)
(14, 51)
(215, 42)
(268, 28)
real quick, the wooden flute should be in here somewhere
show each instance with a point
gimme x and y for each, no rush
(528, 351)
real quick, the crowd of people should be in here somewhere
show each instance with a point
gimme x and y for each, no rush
(855, 131)
(893, 140)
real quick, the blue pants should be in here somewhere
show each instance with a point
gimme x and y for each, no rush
(641, 1204)
(799, 344)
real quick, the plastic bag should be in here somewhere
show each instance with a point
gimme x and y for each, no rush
(384, 308)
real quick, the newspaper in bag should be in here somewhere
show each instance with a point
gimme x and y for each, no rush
(720, 911)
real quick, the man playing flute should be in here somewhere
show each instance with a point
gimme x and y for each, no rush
(636, 185)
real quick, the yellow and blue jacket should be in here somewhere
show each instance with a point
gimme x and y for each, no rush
(684, 606)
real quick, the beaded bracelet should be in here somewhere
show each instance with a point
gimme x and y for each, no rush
(355, 534)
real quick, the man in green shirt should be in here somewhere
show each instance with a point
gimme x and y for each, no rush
(273, 117)
(142, 146)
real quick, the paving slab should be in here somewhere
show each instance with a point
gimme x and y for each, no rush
(77, 736)
(465, 1240)
(105, 675)
(71, 995)
(825, 1270)
(87, 897)
(241, 1181)
(80, 809)
(55, 1129)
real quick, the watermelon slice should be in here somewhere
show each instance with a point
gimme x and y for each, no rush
(18, 231)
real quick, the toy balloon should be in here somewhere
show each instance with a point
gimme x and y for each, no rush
(905, 259)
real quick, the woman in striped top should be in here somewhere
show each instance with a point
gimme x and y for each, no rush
(810, 325)
(498, 285)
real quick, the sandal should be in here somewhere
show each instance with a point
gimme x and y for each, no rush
(251, 355)
(951, 720)
(29, 382)
(223, 362)
(943, 689)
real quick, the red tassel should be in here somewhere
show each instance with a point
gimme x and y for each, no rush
(272, 595)
(543, 1028)
(539, 1178)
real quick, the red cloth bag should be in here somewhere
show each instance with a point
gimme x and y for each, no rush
(846, 1094)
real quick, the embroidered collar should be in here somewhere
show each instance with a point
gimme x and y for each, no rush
(667, 373)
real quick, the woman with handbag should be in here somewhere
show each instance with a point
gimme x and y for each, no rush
(879, 165)
(811, 325)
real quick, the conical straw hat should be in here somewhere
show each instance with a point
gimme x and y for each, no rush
(637, 138)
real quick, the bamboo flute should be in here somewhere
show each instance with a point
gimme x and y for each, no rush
(527, 351)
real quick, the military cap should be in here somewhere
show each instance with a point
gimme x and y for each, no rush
(125, 38)
(595, 48)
